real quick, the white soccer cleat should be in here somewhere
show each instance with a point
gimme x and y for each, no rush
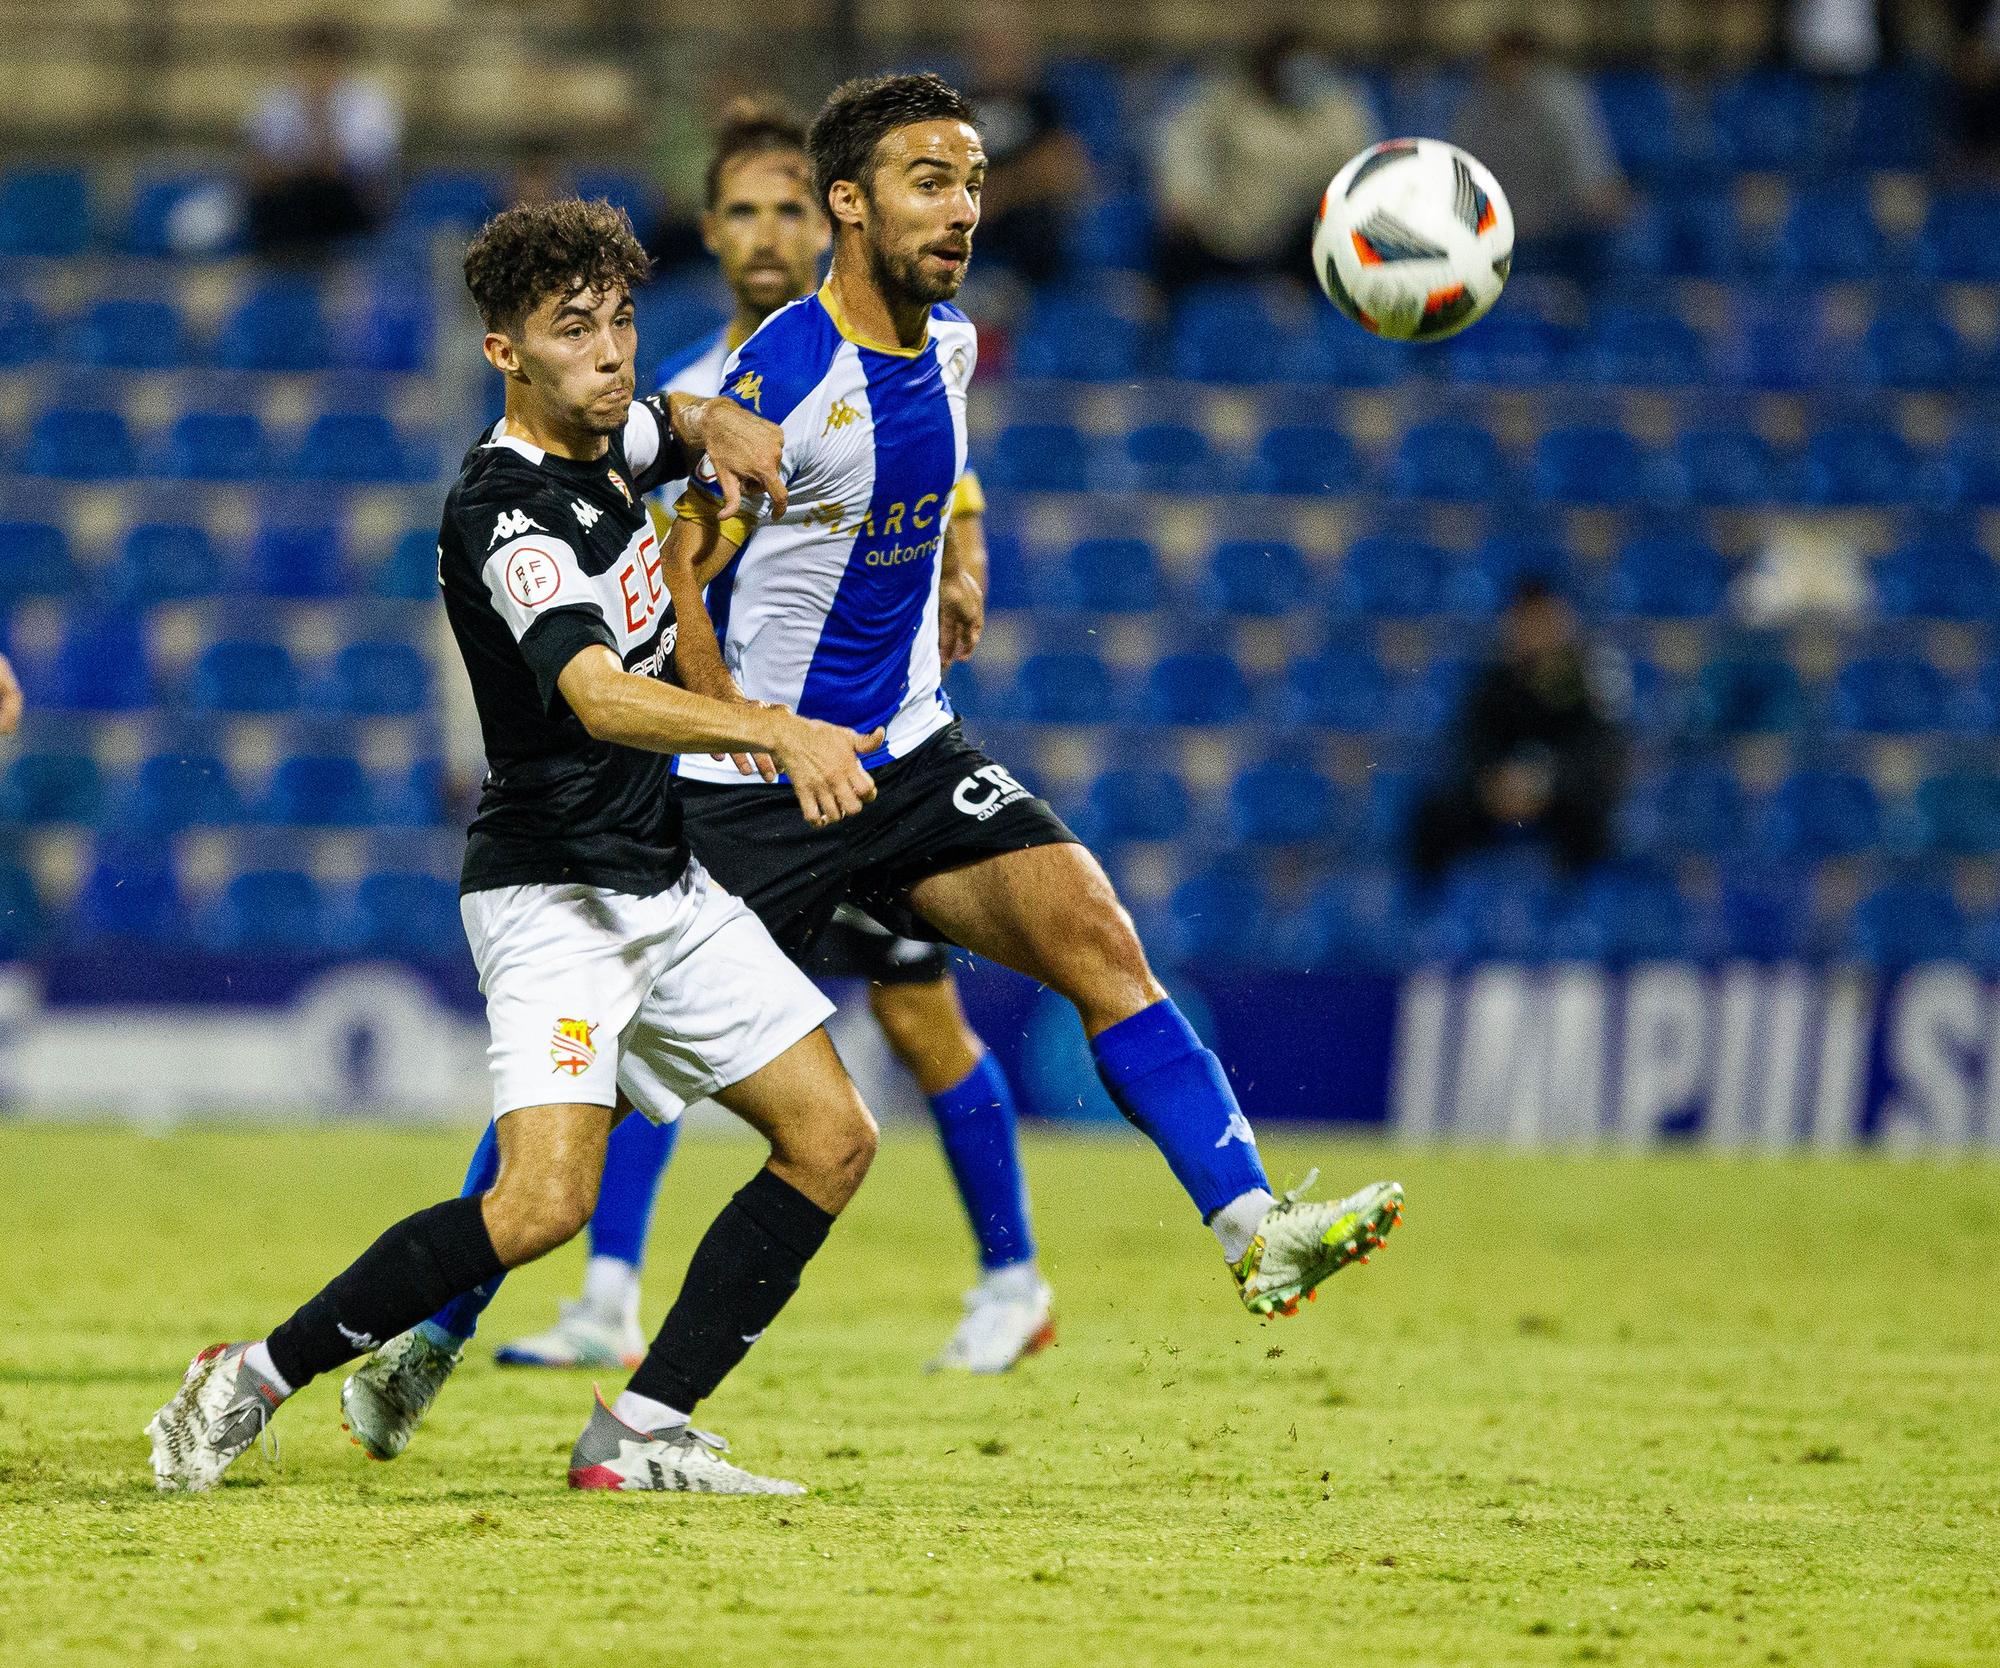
(581, 1337)
(385, 1399)
(1301, 1243)
(1008, 1316)
(221, 1408)
(612, 1455)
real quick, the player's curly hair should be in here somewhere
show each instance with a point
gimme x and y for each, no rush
(751, 128)
(861, 114)
(527, 253)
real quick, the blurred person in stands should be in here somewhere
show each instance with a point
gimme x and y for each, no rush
(1037, 171)
(1975, 71)
(324, 148)
(1534, 748)
(1537, 125)
(1242, 163)
(10, 698)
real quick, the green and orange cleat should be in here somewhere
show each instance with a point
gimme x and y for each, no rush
(1300, 1243)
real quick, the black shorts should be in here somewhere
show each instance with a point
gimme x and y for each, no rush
(945, 805)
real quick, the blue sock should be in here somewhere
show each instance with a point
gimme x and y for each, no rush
(637, 1154)
(975, 1120)
(459, 1319)
(1174, 1090)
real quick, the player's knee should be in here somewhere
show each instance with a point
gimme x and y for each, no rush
(1104, 966)
(530, 1216)
(833, 1149)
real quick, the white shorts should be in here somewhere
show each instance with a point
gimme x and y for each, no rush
(669, 998)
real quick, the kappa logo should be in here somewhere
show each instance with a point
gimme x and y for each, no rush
(586, 514)
(838, 416)
(749, 389)
(511, 525)
(828, 516)
(1238, 1130)
(988, 789)
(574, 1046)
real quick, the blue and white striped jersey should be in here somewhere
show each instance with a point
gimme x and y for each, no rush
(833, 610)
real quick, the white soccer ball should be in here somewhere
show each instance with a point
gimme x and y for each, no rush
(1414, 240)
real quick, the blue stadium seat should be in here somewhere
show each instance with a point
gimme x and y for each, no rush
(1195, 687)
(21, 913)
(1966, 474)
(1821, 813)
(1690, 231)
(23, 332)
(1388, 575)
(275, 911)
(1114, 576)
(1173, 457)
(1660, 703)
(403, 914)
(1257, 578)
(1626, 913)
(1958, 814)
(1306, 458)
(165, 561)
(1509, 350)
(1646, 123)
(1113, 233)
(1224, 333)
(633, 192)
(1667, 576)
(280, 326)
(1448, 459)
(1913, 347)
(100, 666)
(70, 443)
(1858, 463)
(216, 446)
(1063, 687)
(1905, 923)
(1340, 688)
(1891, 695)
(1334, 349)
(409, 572)
(1499, 565)
(374, 679)
(238, 674)
(1830, 235)
(1960, 240)
(1894, 119)
(1764, 912)
(1939, 578)
(1429, 703)
(157, 200)
(1591, 464)
(1078, 337)
(1630, 346)
(1219, 917)
(1038, 457)
(394, 331)
(410, 798)
(1137, 802)
(175, 791)
(44, 211)
(352, 448)
(296, 559)
(1282, 801)
(461, 198)
(132, 336)
(1765, 120)
(1689, 809)
(1773, 349)
(52, 787)
(131, 895)
(1725, 468)
(314, 790)
(34, 561)
(1748, 695)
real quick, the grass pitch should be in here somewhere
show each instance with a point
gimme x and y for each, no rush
(1616, 1410)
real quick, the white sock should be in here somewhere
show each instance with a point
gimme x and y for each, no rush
(258, 1358)
(611, 1289)
(642, 1413)
(1236, 1223)
(1013, 1283)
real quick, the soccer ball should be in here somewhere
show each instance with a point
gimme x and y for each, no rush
(1413, 240)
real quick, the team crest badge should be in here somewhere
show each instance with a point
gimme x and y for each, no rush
(574, 1044)
(618, 481)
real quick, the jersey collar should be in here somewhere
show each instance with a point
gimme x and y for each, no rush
(833, 312)
(500, 437)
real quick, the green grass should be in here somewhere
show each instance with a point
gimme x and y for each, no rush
(1581, 1409)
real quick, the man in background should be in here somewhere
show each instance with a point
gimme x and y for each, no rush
(1037, 171)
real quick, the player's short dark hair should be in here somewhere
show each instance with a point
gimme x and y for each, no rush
(861, 114)
(527, 253)
(749, 128)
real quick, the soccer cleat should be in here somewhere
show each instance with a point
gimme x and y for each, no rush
(1300, 1243)
(581, 1337)
(220, 1409)
(387, 1396)
(680, 1459)
(1006, 1319)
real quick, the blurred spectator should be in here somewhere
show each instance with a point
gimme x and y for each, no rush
(1835, 37)
(683, 143)
(1036, 169)
(538, 176)
(1975, 65)
(1536, 124)
(1534, 748)
(324, 148)
(1243, 162)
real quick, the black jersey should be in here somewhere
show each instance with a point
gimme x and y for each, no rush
(539, 557)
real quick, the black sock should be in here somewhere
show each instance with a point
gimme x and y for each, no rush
(412, 1271)
(744, 1271)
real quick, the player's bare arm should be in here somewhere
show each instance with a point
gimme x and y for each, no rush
(744, 450)
(621, 707)
(962, 589)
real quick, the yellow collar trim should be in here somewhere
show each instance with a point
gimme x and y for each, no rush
(833, 312)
